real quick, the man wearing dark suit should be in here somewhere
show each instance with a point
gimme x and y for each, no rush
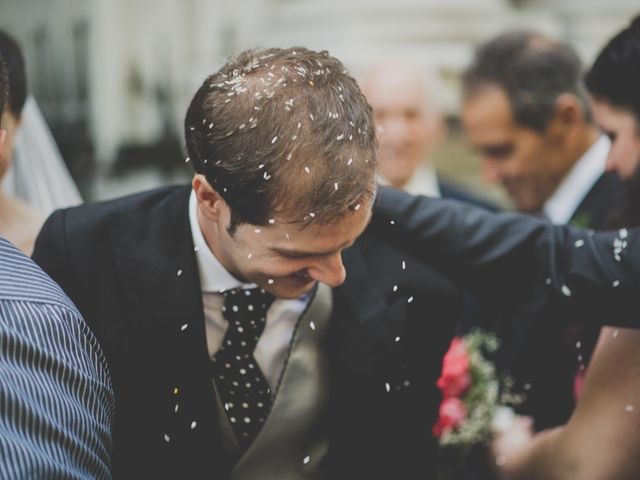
(349, 371)
(283, 146)
(526, 112)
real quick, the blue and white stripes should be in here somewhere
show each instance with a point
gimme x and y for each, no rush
(56, 403)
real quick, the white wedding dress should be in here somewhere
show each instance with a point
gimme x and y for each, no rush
(38, 174)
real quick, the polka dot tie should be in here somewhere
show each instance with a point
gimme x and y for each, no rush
(242, 387)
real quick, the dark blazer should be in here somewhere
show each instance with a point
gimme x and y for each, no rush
(604, 205)
(129, 266)
(547, 380)
(534, 273)
(452, 191)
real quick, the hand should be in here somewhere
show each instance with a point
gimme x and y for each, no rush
(513, 440)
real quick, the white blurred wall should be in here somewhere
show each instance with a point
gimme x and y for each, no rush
(110, 63)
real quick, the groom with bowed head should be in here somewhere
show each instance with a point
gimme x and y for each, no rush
(238, 345)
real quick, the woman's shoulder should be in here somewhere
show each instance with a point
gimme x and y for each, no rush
(19, 223)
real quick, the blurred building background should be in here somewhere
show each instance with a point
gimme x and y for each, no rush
(114, 77)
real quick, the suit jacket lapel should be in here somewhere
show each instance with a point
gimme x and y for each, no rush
(163, 278)
(364, 327)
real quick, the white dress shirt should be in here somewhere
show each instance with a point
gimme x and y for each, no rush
(424, 181)
(575, 186)
(272, 347)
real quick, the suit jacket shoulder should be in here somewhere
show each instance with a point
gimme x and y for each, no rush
(604, 206)
(454, 192)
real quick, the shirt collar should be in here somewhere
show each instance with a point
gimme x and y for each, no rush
(576, 184)
(424, 181)
(213, 276)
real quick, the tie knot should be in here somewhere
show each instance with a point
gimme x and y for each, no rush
(244, 305)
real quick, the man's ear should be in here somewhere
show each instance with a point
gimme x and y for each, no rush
(568, 116)
(210, 202)
(569, 109)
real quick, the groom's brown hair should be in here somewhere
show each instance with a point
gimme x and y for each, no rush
(283, 131)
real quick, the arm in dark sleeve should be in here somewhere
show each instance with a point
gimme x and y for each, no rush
(50, 251)
(517, 258)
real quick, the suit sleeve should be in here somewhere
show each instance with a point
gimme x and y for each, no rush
(51, 251)
(519, 259)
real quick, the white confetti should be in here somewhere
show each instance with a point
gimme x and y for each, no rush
(306, 459)
(623, 233)
(387, 387)
(179, 273)
(312, 325)
(350, 161)
(395, 288)
(193, 425)
(404, 265)
(186, 160)
(340, 137)
(306, 169)
(196, 248)
(184, 327)
(270, 281)
(397, 339)
(266, 176)
(289, 156)
(312, 215)
(272, 221)
(392, 222)
(616, 283)
(166, 438)
(257, 230)
(249, 256)
(410, 299)
(274, 139)
(548, 281)
(566, 291)
(335, 185)
(579, 243)
(614, 334)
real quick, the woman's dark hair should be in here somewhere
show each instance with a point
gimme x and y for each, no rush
(14, 61)
(615, 74)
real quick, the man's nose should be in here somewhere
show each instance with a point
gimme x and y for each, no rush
(393, 131)
(329, 270)
(490, 172)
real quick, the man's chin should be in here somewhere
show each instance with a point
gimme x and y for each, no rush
(290, 290)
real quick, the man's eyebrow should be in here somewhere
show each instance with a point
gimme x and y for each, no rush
(291, 252)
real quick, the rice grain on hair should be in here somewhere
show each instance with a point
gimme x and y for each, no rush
(254, 126)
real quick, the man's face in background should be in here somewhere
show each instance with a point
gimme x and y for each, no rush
(527, 163)
(408, 125)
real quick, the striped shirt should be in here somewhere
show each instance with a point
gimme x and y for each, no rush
(56, 402)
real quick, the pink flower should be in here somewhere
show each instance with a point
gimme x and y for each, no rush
(455, 378)
(452, 414)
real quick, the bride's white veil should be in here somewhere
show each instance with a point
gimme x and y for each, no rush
(38, 174)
